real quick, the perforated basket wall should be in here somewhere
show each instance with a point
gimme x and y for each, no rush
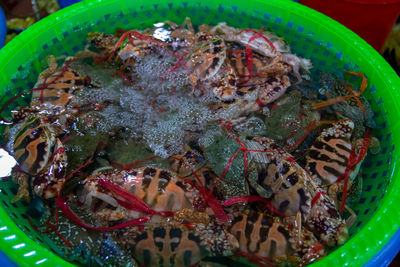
(330, 46)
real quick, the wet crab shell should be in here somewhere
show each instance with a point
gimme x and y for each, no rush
(129, 54)
(48, 182)
(293, 191)
(159, 188)
(104, 42)
(31, 142)
(207, 56)
(329, 155)
(176, 245)
(34, 145)
(268, 76)
(264, 235)
(260, 44)
(59, 88)
(126, 56)
(177, 38)
(273, 89)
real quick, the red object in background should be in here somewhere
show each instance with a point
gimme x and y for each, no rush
(372, 20)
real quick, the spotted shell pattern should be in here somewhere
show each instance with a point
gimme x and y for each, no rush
(263, 235)
(176, 245)
(293, 191)
(328, 157)
(33, 144)
(159, 188)
(58, 93)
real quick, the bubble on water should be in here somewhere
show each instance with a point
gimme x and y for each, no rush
(156, 72)
(157, 107)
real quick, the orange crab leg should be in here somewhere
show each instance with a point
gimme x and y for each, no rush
(331, 101)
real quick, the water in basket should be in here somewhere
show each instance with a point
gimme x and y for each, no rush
(331, 47)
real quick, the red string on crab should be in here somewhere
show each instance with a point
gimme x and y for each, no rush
(352, 162)
(123, 38)
(129, 166)
(261, 35)
(249, 54)
(128, 201)
(243, 199)
(41, 88)
(209, 198)
(317, 196)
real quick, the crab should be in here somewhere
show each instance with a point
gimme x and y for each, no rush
(178, 38)
(329, 155)
(329, 158)
(205, 59)
(176, 245)
(187, 229)
(33, 139)
(186, 163)
(289, 117)
(290, 189)
(271, 60)
(268, 237)
(266, 44)
(124, 55)
(39, 153)
(161, 189)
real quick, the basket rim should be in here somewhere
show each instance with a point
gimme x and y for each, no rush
(384, 217)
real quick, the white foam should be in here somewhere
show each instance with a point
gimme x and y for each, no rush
(158, 107)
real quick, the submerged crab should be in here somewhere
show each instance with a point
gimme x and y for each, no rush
(334, 159)
(266, 236)
(289, 118)
(182, 239)
(290, 189)
(158, 188)
(266, 62)
(177, 245)
(34, 138)
(39, 153)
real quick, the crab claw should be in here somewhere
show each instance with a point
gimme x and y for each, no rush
(23, 192)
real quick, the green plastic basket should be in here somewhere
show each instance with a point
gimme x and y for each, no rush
(332, 48)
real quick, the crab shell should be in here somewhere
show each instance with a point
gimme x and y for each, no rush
(293, 191)
(32, 144)
(264, 235)
(59, 88)
(259, 44)
(186, 163)
(270, 79)
(176, 245)
(104, 42)
(328, 157)
(48, 182)
(159, 188)
(206, 56)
